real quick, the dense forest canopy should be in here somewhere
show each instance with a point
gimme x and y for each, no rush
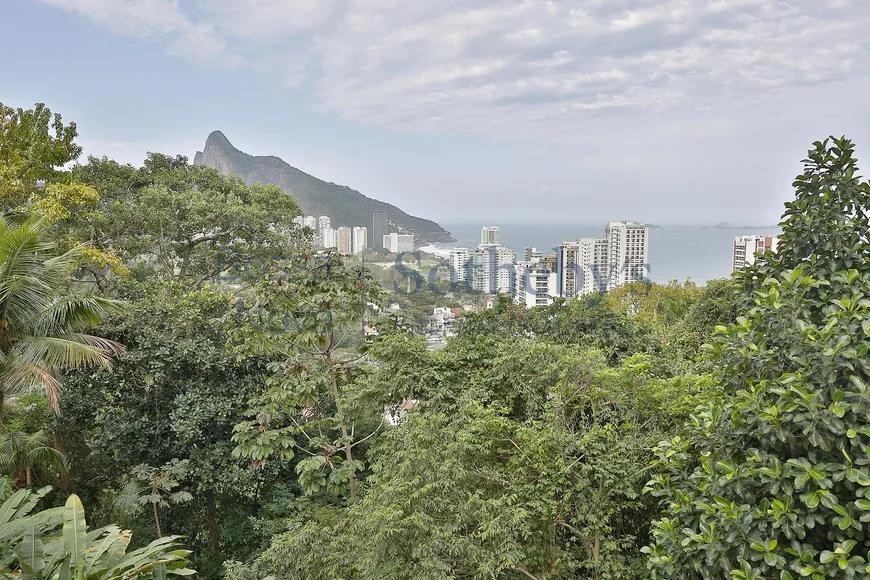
(176, 360)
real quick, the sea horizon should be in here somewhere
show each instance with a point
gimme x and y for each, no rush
(696, 253)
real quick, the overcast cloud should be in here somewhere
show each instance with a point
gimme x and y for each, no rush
(601, 78)
(495, 65)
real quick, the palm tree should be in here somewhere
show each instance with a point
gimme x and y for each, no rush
(21, 455)
(40, 318)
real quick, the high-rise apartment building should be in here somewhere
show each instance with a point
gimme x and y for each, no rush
(478, 272)
(324, 224)
(594, 256)
(503, 280)
(328, 238)
(533, 256)
(309, 222)
(745, 248)
(627, 250)
(398, 243)
(379, 229)
(536, 285)
(599, 264)
(343, 240)
(459, 265)
(360, 238)
(490, 235)
(498, 267)
(569, 268)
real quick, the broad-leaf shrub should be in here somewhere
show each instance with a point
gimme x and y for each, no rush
(772, 479)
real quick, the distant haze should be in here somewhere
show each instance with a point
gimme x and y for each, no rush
(542, 111)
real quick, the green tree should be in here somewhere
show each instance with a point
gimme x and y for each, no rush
(40, 319)
(152, 485)
(56, 543)
(655, 304)
(34, 147)
(186, 222)
(174, 395)
(590, 321)
(523, 458)
(772, 478)
(23, 454)
(301, 316)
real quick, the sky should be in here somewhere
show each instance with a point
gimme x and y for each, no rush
(538, 111)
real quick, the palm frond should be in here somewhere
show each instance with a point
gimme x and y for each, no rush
(17, 375)
(38, 320)
(67, 351)
(26, 451)
(22, 298)
(50, 457)
(12, 446)
(74, 312)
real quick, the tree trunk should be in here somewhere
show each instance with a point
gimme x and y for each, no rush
(214, 531)
(154, 507)
(65, 483)
(348, 446)
(20, 478)
(156, 520)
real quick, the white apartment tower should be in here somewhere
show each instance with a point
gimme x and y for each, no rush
(594, 258)
(536, 285)
(745, 248)
(398, 243)
(569, 268)
(478, 273)
(628, 249)
(324, 231)
(302, 222)
(359, 239)
(490, 235)
(498, 265)
(501, 269)
(592, 265)
(328, 238)
(459, 265)
(582, 267)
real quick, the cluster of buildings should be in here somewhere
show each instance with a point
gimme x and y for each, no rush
(488, 268)
(356, 240)
(745, 248)
(577, 268)
(347, 240)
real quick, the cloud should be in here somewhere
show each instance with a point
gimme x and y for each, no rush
(512, 66)
(161, 20)
(509, 61)
(138, 18)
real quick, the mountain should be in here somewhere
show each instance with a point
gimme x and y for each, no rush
(346, 206)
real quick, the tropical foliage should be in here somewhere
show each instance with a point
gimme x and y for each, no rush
(40, 320)
(770, 480)
(273, 413)
(56, 543)
(23, 455)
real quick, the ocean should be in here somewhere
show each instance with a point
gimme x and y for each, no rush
(696, 253)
